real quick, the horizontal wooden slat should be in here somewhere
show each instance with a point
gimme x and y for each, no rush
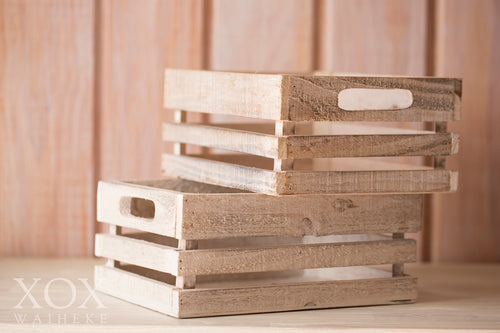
(194, 210)
(310, 254)
(347, 176)
(137, 252)
(137, 289)
(296, 257)
(317, 146)
(236, 215)
(315, 98)
(223, 138)
(257, 96)
(297, 97)
(322, 291)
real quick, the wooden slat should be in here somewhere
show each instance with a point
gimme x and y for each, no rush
(316, 98)
(145, 292)
(279, 34)
(364, 36)
(309, 254)
(189, 210)
(307, 296)
(348, 176)
(465, 226)
(47, 137)
(363, 144)
(222, 138)
(137, 252)
(293, 97)
(308, 293)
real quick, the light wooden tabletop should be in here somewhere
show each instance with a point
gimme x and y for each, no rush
(451, 296)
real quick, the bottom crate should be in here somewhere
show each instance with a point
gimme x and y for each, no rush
(254, 293)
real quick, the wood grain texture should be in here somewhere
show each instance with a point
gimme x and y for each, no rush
(189, 210)
(363, 36)
(136, 42)
(316, 98)
(305, 98)
(311, 253)
(466, 225)
(358, 143)
(46, 128)
(262, 35)
(342, 176)
(310, 293)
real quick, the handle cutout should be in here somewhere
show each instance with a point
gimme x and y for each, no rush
(360, 99)
(137, 207)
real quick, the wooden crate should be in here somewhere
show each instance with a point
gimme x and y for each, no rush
(313, 121)
(204, 250)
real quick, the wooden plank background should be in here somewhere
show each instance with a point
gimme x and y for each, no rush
(47, 175)
(81, 82)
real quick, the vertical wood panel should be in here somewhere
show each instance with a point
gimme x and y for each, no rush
(466, 225)
(137, 40)
(262, 35)
(366, 36)
(46, 127)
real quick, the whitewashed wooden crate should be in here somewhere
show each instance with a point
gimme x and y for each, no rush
(311, 120)
(203, 250)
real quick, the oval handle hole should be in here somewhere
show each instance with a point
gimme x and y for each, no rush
(361, 99)
(138, 207)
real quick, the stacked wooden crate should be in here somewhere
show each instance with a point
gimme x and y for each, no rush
(297, 216)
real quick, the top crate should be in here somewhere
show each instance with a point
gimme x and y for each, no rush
(314, 97)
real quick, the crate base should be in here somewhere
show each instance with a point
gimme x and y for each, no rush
(314, 289)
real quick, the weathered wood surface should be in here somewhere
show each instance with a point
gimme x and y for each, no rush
(359, 143)
(136, 40)
(188, 210)
(466, 226)
(295, 97)
(311, 253)
(309, 292)
(47, 127)
(342, 176)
